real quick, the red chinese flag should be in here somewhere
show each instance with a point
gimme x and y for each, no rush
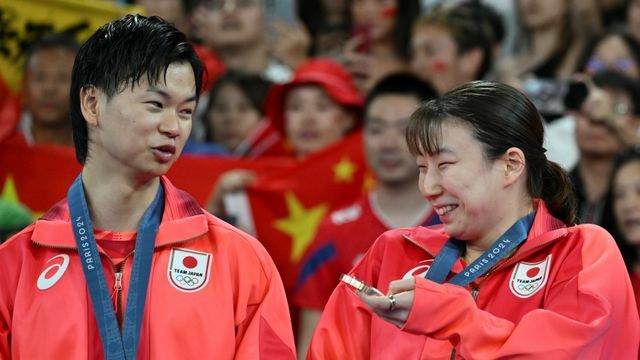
(288, 205)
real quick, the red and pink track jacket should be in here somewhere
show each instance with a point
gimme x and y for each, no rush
(564, 294)
(213, 292)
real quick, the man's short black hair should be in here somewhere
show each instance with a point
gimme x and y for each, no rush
(401, 84)
(64, 41)
(118, 54)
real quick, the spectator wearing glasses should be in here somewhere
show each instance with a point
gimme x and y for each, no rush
(615, 51)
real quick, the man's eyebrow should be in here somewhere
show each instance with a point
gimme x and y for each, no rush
(166, 95)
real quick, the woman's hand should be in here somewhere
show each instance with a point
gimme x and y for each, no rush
(231, 181)
(394, 307)
(291, 44)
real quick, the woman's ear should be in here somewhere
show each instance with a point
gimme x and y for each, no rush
(89, 100)
(514, 165)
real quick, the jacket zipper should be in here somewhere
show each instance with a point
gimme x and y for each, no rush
(117, 295)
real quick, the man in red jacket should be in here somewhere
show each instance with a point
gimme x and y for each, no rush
(128, 266)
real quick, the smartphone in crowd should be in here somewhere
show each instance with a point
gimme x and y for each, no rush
(553, 97)
(283, 11)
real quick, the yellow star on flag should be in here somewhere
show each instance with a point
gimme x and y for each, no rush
(301, 224)
(344, 170)
(9, 193)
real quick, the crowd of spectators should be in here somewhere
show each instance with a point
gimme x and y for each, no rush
(278, 89)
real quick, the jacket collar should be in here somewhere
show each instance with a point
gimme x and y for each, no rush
(183, 219)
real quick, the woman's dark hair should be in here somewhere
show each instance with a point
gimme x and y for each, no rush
(314, 15)
(472, 25)
(630, 42)
(500, 117)
(408, 12)
(629, 252)
(253, 86)
(118, 55)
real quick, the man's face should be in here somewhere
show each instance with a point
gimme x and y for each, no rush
(235, 23)
(46, 84)
(142, 130)
(384, 139)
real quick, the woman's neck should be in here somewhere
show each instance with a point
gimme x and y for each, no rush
(475, 248)
(115, 202)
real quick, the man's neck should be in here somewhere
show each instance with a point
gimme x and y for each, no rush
(115, 203)
(56, 135)
(401, 204)
(254, 59)
(595, 173)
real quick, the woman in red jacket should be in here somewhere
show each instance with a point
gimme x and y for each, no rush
(507, 275)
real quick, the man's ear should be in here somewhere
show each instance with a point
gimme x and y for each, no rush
(89, 100)
(514, 165)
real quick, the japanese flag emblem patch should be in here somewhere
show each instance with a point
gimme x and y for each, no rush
(188, 270)
(528, 278)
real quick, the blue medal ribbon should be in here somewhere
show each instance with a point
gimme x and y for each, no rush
(116, 346)
(454, 248)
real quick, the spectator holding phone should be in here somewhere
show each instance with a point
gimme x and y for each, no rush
(380, 42)
(508, 274)
(236, 30)
(607, 121)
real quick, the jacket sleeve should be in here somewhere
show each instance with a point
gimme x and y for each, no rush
(344, 329)
(589, 314)
(264, 329)
(5, 311)
(10, 263)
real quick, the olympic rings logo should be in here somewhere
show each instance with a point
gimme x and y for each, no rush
(187, 280)
(528, 287)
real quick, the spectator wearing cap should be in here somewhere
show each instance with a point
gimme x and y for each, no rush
(315, 110)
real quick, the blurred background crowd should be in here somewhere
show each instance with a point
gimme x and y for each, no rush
(291, 79)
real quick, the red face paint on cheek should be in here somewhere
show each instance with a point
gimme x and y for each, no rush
(439, 66)
(389, 12)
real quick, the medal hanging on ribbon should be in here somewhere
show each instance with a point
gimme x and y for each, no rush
(116, 346)
(454, 248)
